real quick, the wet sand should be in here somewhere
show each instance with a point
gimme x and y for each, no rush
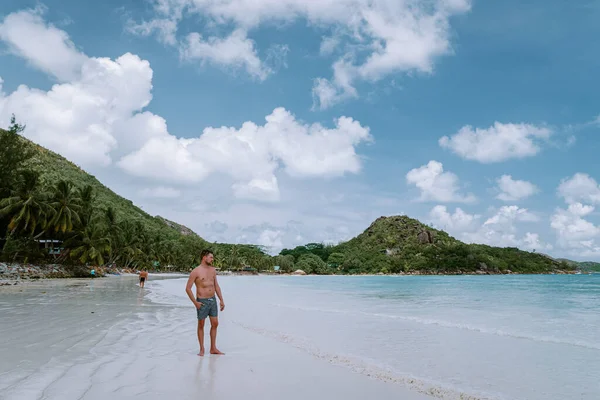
(103, 338)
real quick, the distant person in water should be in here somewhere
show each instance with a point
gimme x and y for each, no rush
(143, 277)
(205, 278)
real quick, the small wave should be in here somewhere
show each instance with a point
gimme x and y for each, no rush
(168, 292)
(454, 325)
(380, 373)
(497, 332)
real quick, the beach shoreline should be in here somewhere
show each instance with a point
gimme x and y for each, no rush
(105, 338)
(15, 274)
(336, 338)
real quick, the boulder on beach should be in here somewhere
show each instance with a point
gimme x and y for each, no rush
(299, 272)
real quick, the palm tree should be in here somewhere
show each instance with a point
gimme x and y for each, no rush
(66, 203)
(90, 245)
(219, 260)
(88, 197)
(13, 154)
(129, 251)
(235, 259)
(114, 233)
(111, 219)
(164, 252)
(26, 206)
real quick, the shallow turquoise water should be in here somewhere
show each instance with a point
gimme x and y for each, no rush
(496, 337)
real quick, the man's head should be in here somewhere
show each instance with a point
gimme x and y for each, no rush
(206, 257)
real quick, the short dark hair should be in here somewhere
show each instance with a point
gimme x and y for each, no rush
(205, 252)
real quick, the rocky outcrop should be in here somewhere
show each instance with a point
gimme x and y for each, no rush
(425, 237)
(11, 274)
(393, 252)
(298, 272)
(184, 230)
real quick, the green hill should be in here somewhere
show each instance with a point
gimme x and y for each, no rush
(45, 196)
(586, 266)
(53, 167)
(399, 244)
(589, 266)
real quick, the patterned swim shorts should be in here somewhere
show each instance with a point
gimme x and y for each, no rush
(209, 307)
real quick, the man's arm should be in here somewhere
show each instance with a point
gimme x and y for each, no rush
(188, 289)
(218, 290)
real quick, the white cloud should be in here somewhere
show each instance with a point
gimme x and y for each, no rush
(580, 188)
(575, 233)
(326, 93)
(329, 44)
(531, 241)
(389, 37)
(252, 153)
(500, 229)
(271, 239)
(405, 37)
(160, 192)
(514, 189)
(437, 185)
(506, 215)
(277, 57)
(51, 51)
(166, 29)
(217, 226)
(305, 214)
(459, 221)
(258, 189)
(235, 51)
(580, 210)
(97, 116)
(97, 105)
(499, 142)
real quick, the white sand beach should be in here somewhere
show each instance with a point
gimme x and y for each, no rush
(104, 339)
(409, 338)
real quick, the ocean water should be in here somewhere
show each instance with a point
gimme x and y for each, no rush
(455, 337)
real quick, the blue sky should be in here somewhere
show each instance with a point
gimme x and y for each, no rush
(512, 86)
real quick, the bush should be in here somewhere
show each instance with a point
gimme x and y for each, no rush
(312, 264)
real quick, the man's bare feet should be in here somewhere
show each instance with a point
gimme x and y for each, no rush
(201, 353)
(216, 351)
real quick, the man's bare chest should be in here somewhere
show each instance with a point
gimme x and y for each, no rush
(205, 280)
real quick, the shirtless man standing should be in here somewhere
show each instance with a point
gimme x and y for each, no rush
(205, 278)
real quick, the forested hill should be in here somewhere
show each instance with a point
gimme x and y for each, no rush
(585, 266)
(53, 168)
(399, 244)
(45, 196)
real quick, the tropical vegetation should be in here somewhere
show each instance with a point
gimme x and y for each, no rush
(585, 266)
(44, 197)
(399, 244)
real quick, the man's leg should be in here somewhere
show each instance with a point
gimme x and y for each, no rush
(201, 335)
(214, 323)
